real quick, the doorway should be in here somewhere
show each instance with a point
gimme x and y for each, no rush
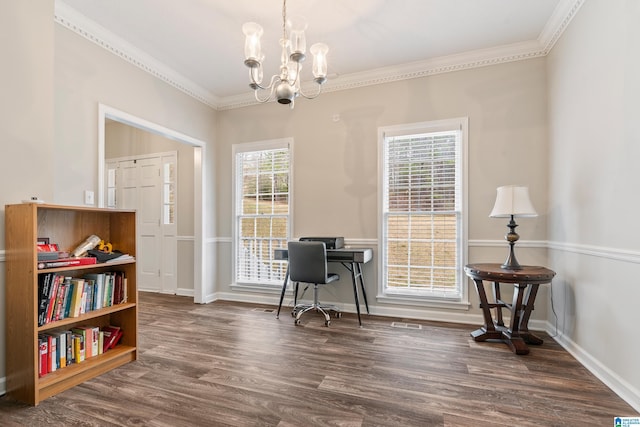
(107, 114)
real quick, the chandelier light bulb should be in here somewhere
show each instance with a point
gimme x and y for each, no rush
(252, 52)
(319, 52)
(297, 39)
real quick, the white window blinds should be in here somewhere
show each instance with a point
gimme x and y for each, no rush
(422, 214)
(262, 213)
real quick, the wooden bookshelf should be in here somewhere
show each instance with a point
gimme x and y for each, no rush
(68, 226)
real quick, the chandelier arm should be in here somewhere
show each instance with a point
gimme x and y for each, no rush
(259, 86)
(310, 96)
(271, 88)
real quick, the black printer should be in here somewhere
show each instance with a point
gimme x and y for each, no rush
(330, 242)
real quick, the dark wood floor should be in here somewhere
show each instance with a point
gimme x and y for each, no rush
(235, 364)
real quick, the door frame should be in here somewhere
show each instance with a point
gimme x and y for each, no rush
(106, 112)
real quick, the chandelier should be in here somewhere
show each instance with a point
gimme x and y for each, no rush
(286, 85)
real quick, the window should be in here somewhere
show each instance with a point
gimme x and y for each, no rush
(262, 210)
(422, 210)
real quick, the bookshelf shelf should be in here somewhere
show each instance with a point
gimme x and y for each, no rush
(67, 226)
(109, 265)
(83, 318)
(62, 379)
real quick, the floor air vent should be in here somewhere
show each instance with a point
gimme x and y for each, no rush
(264, 310)
(405, 325)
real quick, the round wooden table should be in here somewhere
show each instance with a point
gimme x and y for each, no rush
(526, 281)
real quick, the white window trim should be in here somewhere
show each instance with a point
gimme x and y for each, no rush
(462, 124)
(271, 144)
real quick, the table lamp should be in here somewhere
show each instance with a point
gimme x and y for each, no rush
(512, 201)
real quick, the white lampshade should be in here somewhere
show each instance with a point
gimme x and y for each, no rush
(513, 200)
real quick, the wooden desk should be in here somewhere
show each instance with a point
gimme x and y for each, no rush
(351, 258)
(526, 282)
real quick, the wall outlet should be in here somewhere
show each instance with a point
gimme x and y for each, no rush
(88, 197)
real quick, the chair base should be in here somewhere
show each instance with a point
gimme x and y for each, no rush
(300, 309)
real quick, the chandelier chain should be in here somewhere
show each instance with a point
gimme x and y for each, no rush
(284, 19)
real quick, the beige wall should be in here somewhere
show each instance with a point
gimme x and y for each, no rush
(52, 82)
(26, 116)
(87, 75)
(335, 180)
(594, 88)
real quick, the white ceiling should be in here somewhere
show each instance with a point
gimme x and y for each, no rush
(198, 45)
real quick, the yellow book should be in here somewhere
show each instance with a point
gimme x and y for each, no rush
(76, 297)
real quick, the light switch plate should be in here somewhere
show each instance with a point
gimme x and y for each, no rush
(88, 197)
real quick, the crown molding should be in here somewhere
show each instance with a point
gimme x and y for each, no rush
(90, 30)
(559, 21)
(429, 67)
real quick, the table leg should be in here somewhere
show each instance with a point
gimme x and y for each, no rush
(355, 291)
(284, 289)
(513, 338)
(528, 307)
(488, 330)
(497, 297)
(364, 292)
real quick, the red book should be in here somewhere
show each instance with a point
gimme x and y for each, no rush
(111, 336)
(43, 366)
(67, 262)
(48, 247)
(117, 339)
(53, 292)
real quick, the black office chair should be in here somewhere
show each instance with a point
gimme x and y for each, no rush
(308, 264)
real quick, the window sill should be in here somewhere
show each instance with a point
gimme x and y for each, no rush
(256, 287)
(423, 302)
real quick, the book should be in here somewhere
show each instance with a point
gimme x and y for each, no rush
(100, 342)
(123, 257)
(95, 340)
(52, 353)
(43, 360)
(47, 247)
(76, 298)
(58, 313)
(44, 282)
(111, 336)
(53, 291)
(98, 279)
(62, 349)
(108, 289)
(90, 336)
(66, 262)
(78, 346)
(69, 342)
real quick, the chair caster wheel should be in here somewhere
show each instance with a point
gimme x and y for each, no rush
(327, 322)
(338, 315)
(297, 322)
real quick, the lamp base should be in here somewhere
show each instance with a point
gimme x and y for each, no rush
(512, 237)
(511, 262)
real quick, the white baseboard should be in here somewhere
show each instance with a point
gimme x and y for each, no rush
(618, 385)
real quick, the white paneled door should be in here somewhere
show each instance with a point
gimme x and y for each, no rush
(146, 184)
